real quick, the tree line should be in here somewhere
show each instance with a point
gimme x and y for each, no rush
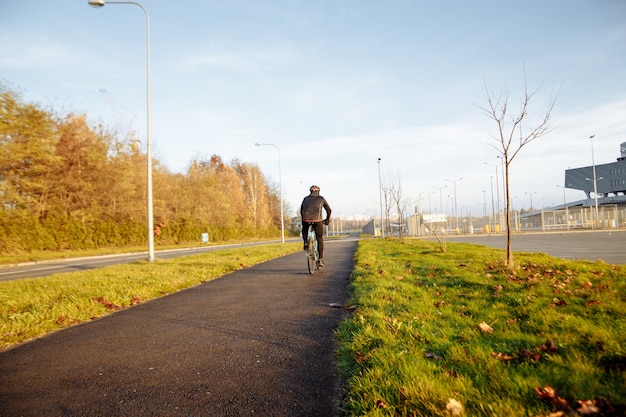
(66, 185)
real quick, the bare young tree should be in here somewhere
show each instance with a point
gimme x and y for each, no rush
(395, 191)
(515, 131)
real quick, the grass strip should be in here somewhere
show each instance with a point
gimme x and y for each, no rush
(46, 255)
(30, 308)
(458, 333)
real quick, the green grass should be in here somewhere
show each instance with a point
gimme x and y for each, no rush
(30, 308)
(38, 256)
(414, 342)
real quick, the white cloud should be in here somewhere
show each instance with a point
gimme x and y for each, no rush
(34, 52)
(237, 56)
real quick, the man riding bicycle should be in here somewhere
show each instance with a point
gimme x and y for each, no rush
(311, 212)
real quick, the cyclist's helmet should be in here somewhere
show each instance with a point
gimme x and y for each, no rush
(314, 188)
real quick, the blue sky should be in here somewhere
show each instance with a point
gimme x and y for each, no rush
(337, 85)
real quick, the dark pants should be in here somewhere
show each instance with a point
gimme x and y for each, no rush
(319, 233)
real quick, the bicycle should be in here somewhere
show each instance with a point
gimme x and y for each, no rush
(312, 254)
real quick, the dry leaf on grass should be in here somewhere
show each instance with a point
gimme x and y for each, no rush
(548, 394)
(454, 407)
(501, 356)
(587, 407)
(485, 327)
(431, 355)
(380, 404)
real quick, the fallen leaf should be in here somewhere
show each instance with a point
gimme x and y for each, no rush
(439, 303)
(485, 327)
(351, 308)
(548, 394)
(587, 407)
(361, 357)
(335, 305)
(501, 356)
(549, 347)
(431, 355)
(528, 355)
(380, 404)
(454, 407)
(558, 303)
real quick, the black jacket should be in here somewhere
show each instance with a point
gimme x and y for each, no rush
(311, 208)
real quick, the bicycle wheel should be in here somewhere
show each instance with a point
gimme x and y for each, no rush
(311, 255)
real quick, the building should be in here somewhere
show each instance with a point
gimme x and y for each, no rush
(610, 182)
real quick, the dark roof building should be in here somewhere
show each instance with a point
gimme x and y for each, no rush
(610, 181)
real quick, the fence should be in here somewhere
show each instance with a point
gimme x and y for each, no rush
(569, 218)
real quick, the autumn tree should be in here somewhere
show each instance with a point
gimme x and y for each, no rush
(256, 194)
(27, 154)
(516, 129)
(65, 184)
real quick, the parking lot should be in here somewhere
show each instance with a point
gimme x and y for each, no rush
(608, 246)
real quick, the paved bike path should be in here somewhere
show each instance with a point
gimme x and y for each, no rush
(255, 342)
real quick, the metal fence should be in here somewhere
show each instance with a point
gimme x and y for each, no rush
(569, 218)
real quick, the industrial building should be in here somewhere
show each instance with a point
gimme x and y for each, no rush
(602, 184)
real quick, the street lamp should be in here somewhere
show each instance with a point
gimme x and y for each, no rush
(565, 204)
(531, 200)
(100, 3)
(440, 200)
(380, 198)
(430, 206)
(484, 203)
(595, 181)
(497, 191)
(456, 214)
(493, 207)
(280, 188)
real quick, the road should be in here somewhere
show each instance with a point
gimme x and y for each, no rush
(41, 269)
(608, 246)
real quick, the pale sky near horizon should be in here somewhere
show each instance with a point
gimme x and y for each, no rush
(337, 85)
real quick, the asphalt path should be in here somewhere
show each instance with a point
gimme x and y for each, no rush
(607, 246)
(259, 341)
(45, 268)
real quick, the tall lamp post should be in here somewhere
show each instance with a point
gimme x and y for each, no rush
(497, 193)
(565, 204)
(380, 198)
(531, 200)
(595, 180)
(280, 188)
(456, 213)
(100, 3)
(493, 207)
(440, 200)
